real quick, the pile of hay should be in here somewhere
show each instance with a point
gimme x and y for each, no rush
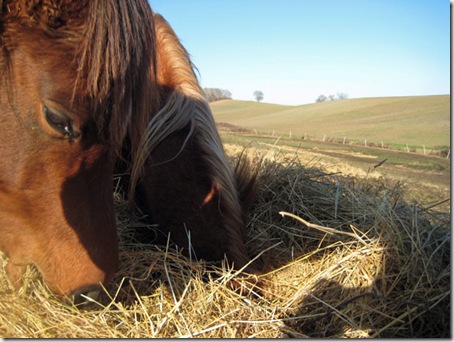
(345, 258)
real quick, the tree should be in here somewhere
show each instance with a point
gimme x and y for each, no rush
(331, 97)
(227, 94)
(258, 95)
(216, 94)
(342, 96)
(321, 98)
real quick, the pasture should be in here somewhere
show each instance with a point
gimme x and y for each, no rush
(344, 254)
(397, 121)
(426, 179)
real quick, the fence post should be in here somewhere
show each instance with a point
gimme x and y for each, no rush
(345, 138)
(449, 153)
(365, 142)
(382, 146)
(324, 137)
(424, 149)
(408, 150)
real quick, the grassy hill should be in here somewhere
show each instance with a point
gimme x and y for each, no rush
(412, 120)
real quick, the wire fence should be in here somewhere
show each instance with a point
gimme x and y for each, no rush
(439, 151)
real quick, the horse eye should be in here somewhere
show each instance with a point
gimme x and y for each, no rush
(60, 123)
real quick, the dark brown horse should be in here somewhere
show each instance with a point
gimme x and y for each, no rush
(86, 86)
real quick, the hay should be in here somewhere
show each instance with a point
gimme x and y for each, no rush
(346, 257)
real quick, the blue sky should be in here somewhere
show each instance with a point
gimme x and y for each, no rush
(295, 50)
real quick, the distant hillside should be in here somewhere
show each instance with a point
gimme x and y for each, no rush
(413, 120)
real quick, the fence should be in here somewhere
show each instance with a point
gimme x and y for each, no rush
(442, 151)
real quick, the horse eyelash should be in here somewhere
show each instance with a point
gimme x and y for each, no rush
(64, 126)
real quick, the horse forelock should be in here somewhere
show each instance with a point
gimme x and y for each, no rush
(113, 49)
(117, 62)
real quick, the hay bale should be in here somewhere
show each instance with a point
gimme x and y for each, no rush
(345, 257)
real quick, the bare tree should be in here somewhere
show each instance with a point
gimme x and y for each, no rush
(321, 98)
(216, 94)
(331, 97)
(258, 95)
(342, 96)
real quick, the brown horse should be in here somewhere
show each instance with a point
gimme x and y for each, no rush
(87, 86)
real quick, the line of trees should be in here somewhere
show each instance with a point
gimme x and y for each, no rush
(216, 94)
(339, 96)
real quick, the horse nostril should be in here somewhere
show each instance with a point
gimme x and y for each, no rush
(85, 295)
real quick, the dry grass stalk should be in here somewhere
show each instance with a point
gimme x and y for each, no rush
(354, 259)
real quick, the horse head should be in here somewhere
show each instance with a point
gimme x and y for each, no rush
(72, 74)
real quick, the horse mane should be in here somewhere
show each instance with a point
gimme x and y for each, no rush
(185, 107)
(114, 47)
(183, 102)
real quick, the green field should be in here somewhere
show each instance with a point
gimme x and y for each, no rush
(415, 121)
